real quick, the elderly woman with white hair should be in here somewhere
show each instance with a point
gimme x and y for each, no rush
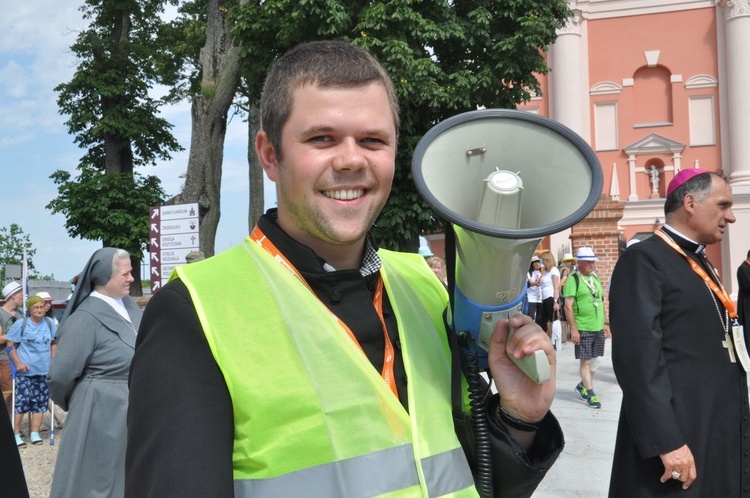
(89, 377)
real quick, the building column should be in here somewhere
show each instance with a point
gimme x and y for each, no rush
(566, 81)
(566, 89)
(631, 175)
(736, 75)
(737, 41)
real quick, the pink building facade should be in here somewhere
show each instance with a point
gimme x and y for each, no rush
(657, 86)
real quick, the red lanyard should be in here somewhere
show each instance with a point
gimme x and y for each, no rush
(720, 292)
(388, 357)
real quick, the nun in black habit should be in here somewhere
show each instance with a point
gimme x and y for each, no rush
(89, 377)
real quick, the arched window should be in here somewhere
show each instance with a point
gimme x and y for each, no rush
(653, 96)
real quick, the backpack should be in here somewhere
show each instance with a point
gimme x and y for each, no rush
(577, 278)
(47, 320)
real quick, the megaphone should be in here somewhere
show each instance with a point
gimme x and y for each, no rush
(504, 179)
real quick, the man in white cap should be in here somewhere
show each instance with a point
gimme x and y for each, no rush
(8, 314)
(584, 302)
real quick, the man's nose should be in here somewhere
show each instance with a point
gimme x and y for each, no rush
(350, 156)
(730, 216)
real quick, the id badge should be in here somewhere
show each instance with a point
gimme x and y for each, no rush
(740, 348)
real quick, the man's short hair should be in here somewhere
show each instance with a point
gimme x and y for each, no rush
(320, 63)
(699, 186)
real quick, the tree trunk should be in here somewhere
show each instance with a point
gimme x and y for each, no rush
(257, 199)
(220, 62)
(136, 288)
(118, 151)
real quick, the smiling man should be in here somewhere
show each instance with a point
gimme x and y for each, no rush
(684, 420)
(306, 361)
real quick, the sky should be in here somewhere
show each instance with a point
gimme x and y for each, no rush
(34, 58)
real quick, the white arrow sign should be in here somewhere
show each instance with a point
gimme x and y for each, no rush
(174, 233)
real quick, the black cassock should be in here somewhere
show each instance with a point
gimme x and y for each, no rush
(679, 386)
(743, 296)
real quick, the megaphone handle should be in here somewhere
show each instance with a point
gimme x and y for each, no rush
(535, 365)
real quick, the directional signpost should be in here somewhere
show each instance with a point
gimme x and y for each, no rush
(173, 234)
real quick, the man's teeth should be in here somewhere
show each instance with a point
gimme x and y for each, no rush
(344, 195)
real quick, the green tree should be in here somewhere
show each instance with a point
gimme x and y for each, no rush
(445, 57)
(108, 207)
(115, 120)
(13, 240)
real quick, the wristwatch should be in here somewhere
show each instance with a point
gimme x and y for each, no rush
(514, 422)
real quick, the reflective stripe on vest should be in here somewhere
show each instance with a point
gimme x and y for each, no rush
(311, 414)
(368, 475)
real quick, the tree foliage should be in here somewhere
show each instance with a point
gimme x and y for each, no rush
(183, 38)
(445, 57)
(106, 207)
(111, 113)
(115, 119)
(13, 240)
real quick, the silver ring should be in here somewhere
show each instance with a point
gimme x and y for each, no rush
(676, 475)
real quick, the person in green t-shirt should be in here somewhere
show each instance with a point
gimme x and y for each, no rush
(584, 302)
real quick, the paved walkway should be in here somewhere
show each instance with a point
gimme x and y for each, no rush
(583, 468)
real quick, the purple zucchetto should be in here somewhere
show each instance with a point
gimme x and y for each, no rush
(682, 177)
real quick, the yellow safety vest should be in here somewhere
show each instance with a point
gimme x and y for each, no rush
(312, 416)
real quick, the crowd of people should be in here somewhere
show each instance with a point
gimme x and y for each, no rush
(81, 364)
(256, 372)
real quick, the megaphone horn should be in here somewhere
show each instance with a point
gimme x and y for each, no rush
(504, 179)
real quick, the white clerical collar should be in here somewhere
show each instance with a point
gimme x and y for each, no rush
(700, 248)
(116, 304)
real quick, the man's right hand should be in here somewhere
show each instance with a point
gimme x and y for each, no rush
(575, 337)
(680, 461)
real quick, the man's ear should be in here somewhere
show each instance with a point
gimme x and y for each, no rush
(688, 202)
(266, 155)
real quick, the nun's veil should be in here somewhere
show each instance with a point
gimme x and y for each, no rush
(97, 271)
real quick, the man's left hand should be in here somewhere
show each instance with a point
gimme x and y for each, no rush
(520, 396)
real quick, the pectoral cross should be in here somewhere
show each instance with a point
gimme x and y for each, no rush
(727, 343)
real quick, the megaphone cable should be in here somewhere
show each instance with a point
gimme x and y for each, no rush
(479, 418)
(465, 362)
